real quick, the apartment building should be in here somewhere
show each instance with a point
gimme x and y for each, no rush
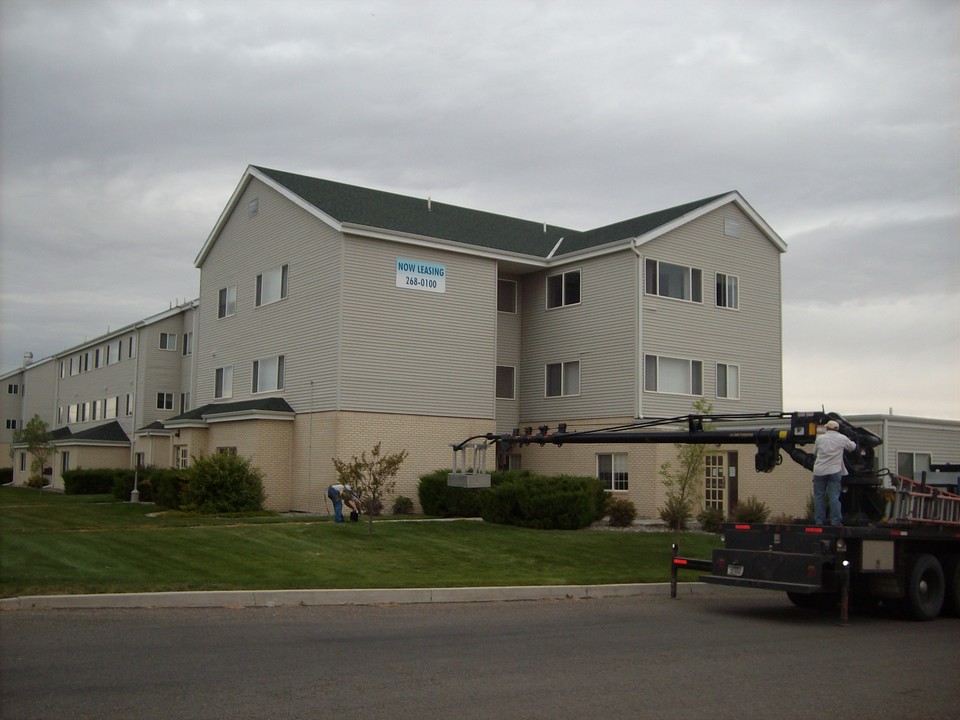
(332, 317)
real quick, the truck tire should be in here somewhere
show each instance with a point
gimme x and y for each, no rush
(925, 588)
(952, 578)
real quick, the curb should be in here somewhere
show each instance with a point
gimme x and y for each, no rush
(398, 596)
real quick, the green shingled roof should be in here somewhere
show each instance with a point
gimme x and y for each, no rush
(399, 213)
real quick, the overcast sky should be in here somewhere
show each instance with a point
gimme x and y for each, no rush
(125, 127)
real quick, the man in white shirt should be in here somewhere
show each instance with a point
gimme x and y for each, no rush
(341, 494)
(828, 470)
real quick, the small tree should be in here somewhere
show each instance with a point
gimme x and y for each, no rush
(684, 484)
(371, 477)
(36, 435)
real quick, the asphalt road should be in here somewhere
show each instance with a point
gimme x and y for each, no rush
(731, 654)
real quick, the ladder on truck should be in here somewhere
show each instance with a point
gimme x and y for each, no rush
(916, 502)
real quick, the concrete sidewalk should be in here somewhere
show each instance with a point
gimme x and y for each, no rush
(281, 598)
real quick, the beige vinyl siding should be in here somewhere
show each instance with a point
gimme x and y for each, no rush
(939, 438)
(412, 351)
(40, 396)
(749, 336)
(600, 333)
(508, 354)
(116, 379)
(159, 371)
(303, 327)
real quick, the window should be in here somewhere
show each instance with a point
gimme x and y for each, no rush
(187, 343)
(184, 402)
(223, 383)
(141, 459)
(13, 389)
(62, 369)
(674, 281)
(64, 462)
(714, 482)
(913, 465)
(563, 289)
(73, 412)
(253, 207)
(164, 401)
(227, 305)
(728, 291)
(227, 451)
(272, 286)
(731, 227)
(728, 381)
(268, 374)
(11, 424)
(129, 410)
(98, 357)
(563, 379)
(131, 347)
(182, 456)
(115, 351)
(85, 362)
(110, 407)
(506, 296)
(612, 471)
(168, 341)
(506, 382)
(23, 461)
(673, 375)
(96, 410)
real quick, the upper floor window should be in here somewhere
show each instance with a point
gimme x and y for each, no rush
(728, 291)
(12, 424)
(164, 401)
(674, 281)
(268, 374)
(506, 382)
(227, 304)
(98, 357)
(187, 343)
(13, 389)
(131, 347)
(110, 407)
(506, 296)
(223, 383)
(563, 289)
(272, 285)
(168, 341)
(114, 351)
(612, 471)
(673, 375)
(563, 379)
(728, 381)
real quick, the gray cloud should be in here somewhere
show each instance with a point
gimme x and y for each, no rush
(124, 127)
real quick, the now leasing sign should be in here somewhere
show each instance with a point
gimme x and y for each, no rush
(419, 275)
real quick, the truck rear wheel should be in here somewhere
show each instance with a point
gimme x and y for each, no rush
(925, 588)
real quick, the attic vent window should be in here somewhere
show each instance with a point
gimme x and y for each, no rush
(253, 207)
(731, 227)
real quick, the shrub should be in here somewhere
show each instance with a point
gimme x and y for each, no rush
(6, 475)
(437, 498)
(402, 505)
(222, 483)
(88, 481)
(548, 503)
(751, 510)
(710, 519)
(676, 512)
(165, 485)
(782, 519)
(622, 512)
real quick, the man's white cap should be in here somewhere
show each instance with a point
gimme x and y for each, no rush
(832, 425)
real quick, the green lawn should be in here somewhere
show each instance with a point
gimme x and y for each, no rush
(59, 544)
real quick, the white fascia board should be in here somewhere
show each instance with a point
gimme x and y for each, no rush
(252, 172)
(594, 252)
(181, 424)
(126, 329)
(91, 443)
(446, 245)
(733, 197)
(249, 415)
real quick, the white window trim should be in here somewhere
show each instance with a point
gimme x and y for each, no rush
(688, 268)
(667, 392)
(513, 395)
(563, 289)
(230, 290)
(613, 470)
(280, 380)
(225, 391)
(563, 375)
(170, 337)
(726, 276)
(727, 367)
(284, 289)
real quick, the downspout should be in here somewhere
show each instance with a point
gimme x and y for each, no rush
(638, 324)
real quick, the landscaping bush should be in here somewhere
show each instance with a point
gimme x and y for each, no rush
(165, 485)
(222, 483)
(548, 503)
(437, 498)
(710, 519)
(402, 505)
(676, 512)
(6, 475)
(88, 481)
(751, 510)
(123, 485)
(622, 512)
